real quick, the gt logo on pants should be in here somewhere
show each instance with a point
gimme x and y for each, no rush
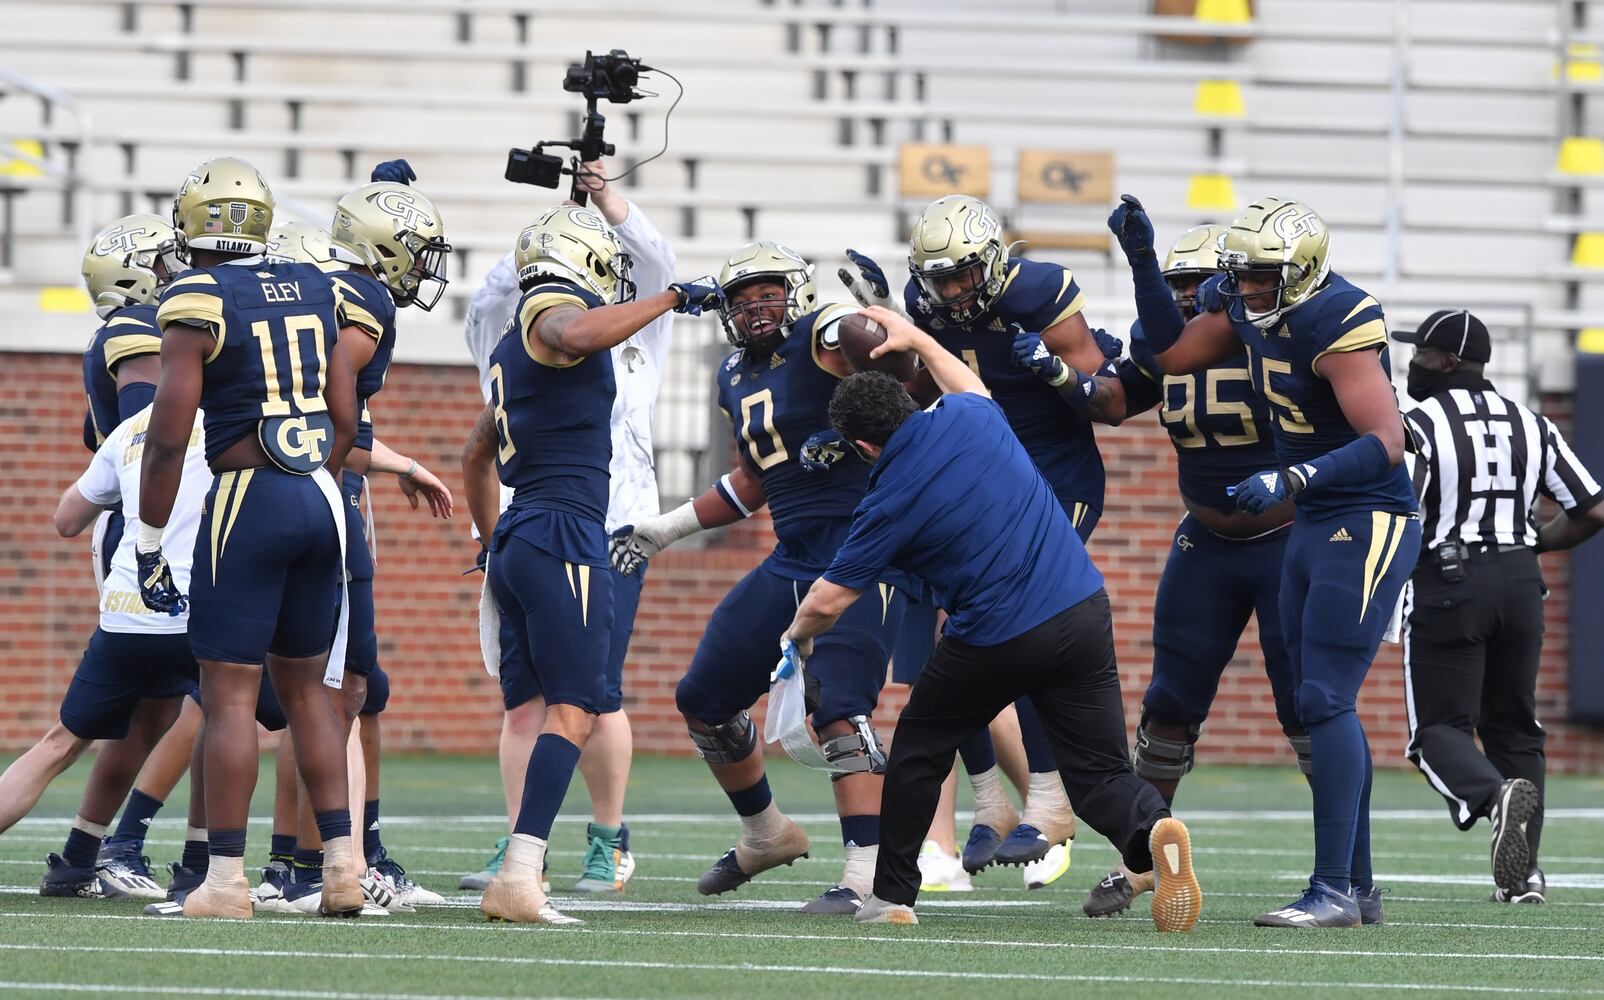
(298, 444)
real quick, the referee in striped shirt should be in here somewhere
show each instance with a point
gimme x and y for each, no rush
(1474, 605)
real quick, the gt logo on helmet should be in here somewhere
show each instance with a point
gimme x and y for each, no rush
(1292, 225)
(117, 242)
(404, 209)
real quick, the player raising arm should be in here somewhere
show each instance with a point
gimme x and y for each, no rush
(1317, 350)
(545, 434)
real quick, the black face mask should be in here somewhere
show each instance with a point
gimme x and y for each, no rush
(1424, 383)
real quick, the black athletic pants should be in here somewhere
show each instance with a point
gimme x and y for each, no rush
(1066, 667)
(1470, 662)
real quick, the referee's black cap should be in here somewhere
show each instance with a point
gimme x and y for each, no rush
(1455, 331)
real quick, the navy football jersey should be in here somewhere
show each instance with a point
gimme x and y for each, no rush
(1219, 426)
(1036, 295)
(552, 420)
(367, 304)
(276, 325)
(775, 404)
(129, 332)
(1308, 420)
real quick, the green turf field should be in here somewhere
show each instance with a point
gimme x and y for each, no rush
(1250, 827)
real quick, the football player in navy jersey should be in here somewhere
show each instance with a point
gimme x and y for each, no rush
(255, 343)
(390, 251)
(1018, 324)
(546, 434)
(775, 388)
(1224, 564)
(1317, 350)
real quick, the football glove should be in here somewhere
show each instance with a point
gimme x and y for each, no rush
(1211, 295)
(156, 586)
(394, 171)
(1034, 356)
(696, 296)
(1261, 491)
(1132, 228)
(1112, 348)
(870, 287)
(823, 450)
(633, 544)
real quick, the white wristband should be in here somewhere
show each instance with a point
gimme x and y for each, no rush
(149, 538)
(679, 523)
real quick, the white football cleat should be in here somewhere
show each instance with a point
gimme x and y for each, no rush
(940, 871)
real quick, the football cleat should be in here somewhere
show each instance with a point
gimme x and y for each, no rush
(608, 863)
(407, 891)
(521, 903)
(269, 895)
(307, 898)
(1115, 893)
(378, 892)
(184, 881)
(1517, 802)
(209, 899)
(1319, 906)
(743, 862)
(127, 875)
(1371, 913)
(1533, 890)
(61, 879)
(1024, 845)
(166, 908)
(839, 901)
(980, 849)
(481, 880)
(1050, 868)
(877, 911)
(1177, 898)
(940, 871)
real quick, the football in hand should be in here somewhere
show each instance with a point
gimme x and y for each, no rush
(859, 335)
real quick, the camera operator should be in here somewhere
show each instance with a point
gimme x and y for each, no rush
(638, 365)
(1474, 605)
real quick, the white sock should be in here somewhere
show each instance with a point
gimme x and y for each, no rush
(195, 833)
(765, 826)
(225, 872)
(1046, 793)
(859, 873)
(93, 829)
(991, 800)
(337, 852)
(526, 858)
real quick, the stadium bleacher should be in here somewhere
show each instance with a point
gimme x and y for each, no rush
(1431, 133)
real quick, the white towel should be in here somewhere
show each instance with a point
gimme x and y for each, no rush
(334, 673)
(489, 627)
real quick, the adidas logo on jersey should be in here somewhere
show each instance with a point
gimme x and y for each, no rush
(997, 325)
(1341, 535)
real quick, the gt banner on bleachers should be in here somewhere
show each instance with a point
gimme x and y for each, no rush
(1066, 177)
(931, 171)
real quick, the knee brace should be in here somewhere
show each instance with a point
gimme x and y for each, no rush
(728, 742)
(857, 752)
(1163, 759)
(1304, 748)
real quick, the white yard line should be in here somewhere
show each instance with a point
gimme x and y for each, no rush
(1032, 977)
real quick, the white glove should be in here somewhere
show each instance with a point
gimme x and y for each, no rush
(633, 544)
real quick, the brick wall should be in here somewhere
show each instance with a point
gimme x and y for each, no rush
(444, 701)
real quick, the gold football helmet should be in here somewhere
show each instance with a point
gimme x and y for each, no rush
(756, 319)
(122, 266)
(397, 233)
(225, 205)
(957, 255)
(1283, 237)
(1193, 258)
(575, 244)
(304, 242)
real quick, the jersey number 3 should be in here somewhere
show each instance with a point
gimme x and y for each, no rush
(498, 398)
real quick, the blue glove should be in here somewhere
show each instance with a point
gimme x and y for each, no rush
(156, 586)
(790, 662)
(1112, 347)
(1261, 491)
(1131, 226)
(821, 451)
(394, 171)
(1211, 295)
(695, 296)
(1031, 354)
(870, 287)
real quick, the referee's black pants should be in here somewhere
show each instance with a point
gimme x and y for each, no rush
(1470, 665)
(1066, 667)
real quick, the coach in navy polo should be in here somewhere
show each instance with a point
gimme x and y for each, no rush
(954, 499)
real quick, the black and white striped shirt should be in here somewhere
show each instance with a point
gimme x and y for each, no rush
(1481, 460)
